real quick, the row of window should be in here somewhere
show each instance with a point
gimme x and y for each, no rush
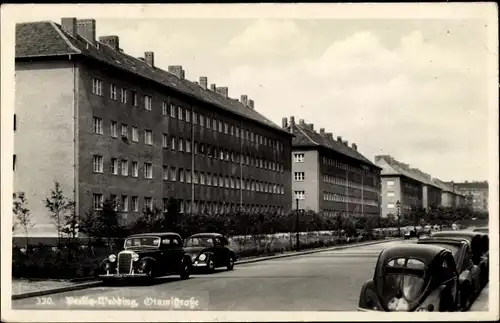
(125, 203)
(335, 213)
(185, 145)
(184, 114)
(298, 157)
(185, 175)
(341, 181)
(335, 197)
(341, 165)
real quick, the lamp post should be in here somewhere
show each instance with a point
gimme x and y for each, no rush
(399, 214)
(297, 222)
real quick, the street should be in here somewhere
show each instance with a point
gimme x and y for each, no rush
(324, 281)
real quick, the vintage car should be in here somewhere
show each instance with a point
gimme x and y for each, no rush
(479, 243)
(412, 277)
(210, 251)
(148, 255)
(469, 274)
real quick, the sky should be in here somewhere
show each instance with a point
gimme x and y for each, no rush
(414, 89)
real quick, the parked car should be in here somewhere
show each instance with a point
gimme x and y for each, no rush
(210, 251)
(469, 274)
(148, 255)
(479, 243)
(412, 277)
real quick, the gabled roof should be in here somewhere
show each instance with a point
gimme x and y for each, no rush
(48, 39)
(306, 137)
(391, 167)
(471, 185)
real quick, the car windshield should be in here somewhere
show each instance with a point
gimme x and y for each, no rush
(200, 242)
(403, 284)
(142, 242)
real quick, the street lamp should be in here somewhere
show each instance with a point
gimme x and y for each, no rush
(297, 222)
(399, 223)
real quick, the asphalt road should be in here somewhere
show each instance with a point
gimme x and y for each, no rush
(324, 281)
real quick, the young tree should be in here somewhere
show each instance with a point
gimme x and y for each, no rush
(58, 205)
(89, 226)
(150, 221)
(23, 214)
(71, 223)
(171, 217)
(108, 221)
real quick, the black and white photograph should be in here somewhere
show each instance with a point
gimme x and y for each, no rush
(249, 162)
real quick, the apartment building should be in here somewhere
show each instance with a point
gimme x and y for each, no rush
(476, 194)
(450, 197)
(329, 176)
(105, 124)
(409, 186)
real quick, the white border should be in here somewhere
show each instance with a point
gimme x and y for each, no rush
(10, 14)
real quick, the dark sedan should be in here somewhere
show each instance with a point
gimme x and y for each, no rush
(210, 251)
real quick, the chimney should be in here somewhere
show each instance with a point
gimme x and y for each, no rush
(250, 104)
(150, 58)
(69, 25)
(86, 29)
(177, 71)
(346, 143)
(302, 122)
(322, 131)
(213, 87)
(244, 99)
(354, 146)
(311, 126)
(203, 82)
(329, 135)
(284, 122)
(111, 41)
(222, 91)
(339, 138)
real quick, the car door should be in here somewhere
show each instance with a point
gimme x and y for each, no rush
(177, 253)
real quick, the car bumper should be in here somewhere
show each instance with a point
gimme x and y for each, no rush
(360, 309)
(200, 264)
(121, 276)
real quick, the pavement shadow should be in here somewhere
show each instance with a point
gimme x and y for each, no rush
(143, 282)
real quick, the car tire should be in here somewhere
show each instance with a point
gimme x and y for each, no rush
(185, 271)
(230, 263)
(466, 294)
(210, 266)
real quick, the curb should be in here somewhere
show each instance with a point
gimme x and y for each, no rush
(481, 303)
(300, 253)
(57, 290)
(248, 261)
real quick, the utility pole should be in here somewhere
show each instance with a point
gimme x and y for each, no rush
(297, 223)
(399, 223)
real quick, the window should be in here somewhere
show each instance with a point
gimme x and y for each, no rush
(114, 129)
(135, 203)
(124, 203)
(135, 98)
(148, 102)
(181, 175)
(180, 113)
(220, 126)
(165, 173)
(208, 122)
(148, 137)
(114, 166)
(124, 131)
(188, 146)
(97, 86)
(298, 157)
(97, 164)
(173, 142)
(135, 169)
(165, 141)
(181, 144)
(202, 120)
(172, 111)
(214, 124)
(188, 116)
(124, 167)
(148, 203)
(97, 201)
(195, 177)
(164, 108)
(202, 178)
(226, 128)
(165, 205)
(299, 176)
(173, 174)
(97, 125)
(135, 134)
(14, 162)
(114, 200)
(390, 205)
(390, 193)
(123, 96)
(148, 170)
(390, 183)
(237, 132)
(188, 176)
(112, 91)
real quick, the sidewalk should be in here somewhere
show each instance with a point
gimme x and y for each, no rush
(24, 288)
(482, 301)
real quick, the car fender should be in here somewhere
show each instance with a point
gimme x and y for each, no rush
(187, 258)
(232, 254)
(149, 261)
(368, 291)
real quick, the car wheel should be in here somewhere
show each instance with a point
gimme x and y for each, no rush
(466, 295)
(210, 266)
(185, 271)
(230, 263)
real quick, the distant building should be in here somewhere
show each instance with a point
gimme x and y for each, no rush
(476, 194)
(329, 176)
(105, 125)
(450, 197)
(411, 187)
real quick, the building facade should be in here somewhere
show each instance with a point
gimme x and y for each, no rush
(476, 194)
(107, 125)
(411, 187)
(329, 176)
(450, 196)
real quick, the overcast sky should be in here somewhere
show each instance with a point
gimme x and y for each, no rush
(414, 89)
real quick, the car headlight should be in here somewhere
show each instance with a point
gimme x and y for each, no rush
(135, 257)
(112, 258)
(202, 257)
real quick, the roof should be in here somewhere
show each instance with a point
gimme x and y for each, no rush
(418, 251)
(471, 185)
(392, 167)
(48, 39)
(153, 234)
(455, 242)
(307, 137)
